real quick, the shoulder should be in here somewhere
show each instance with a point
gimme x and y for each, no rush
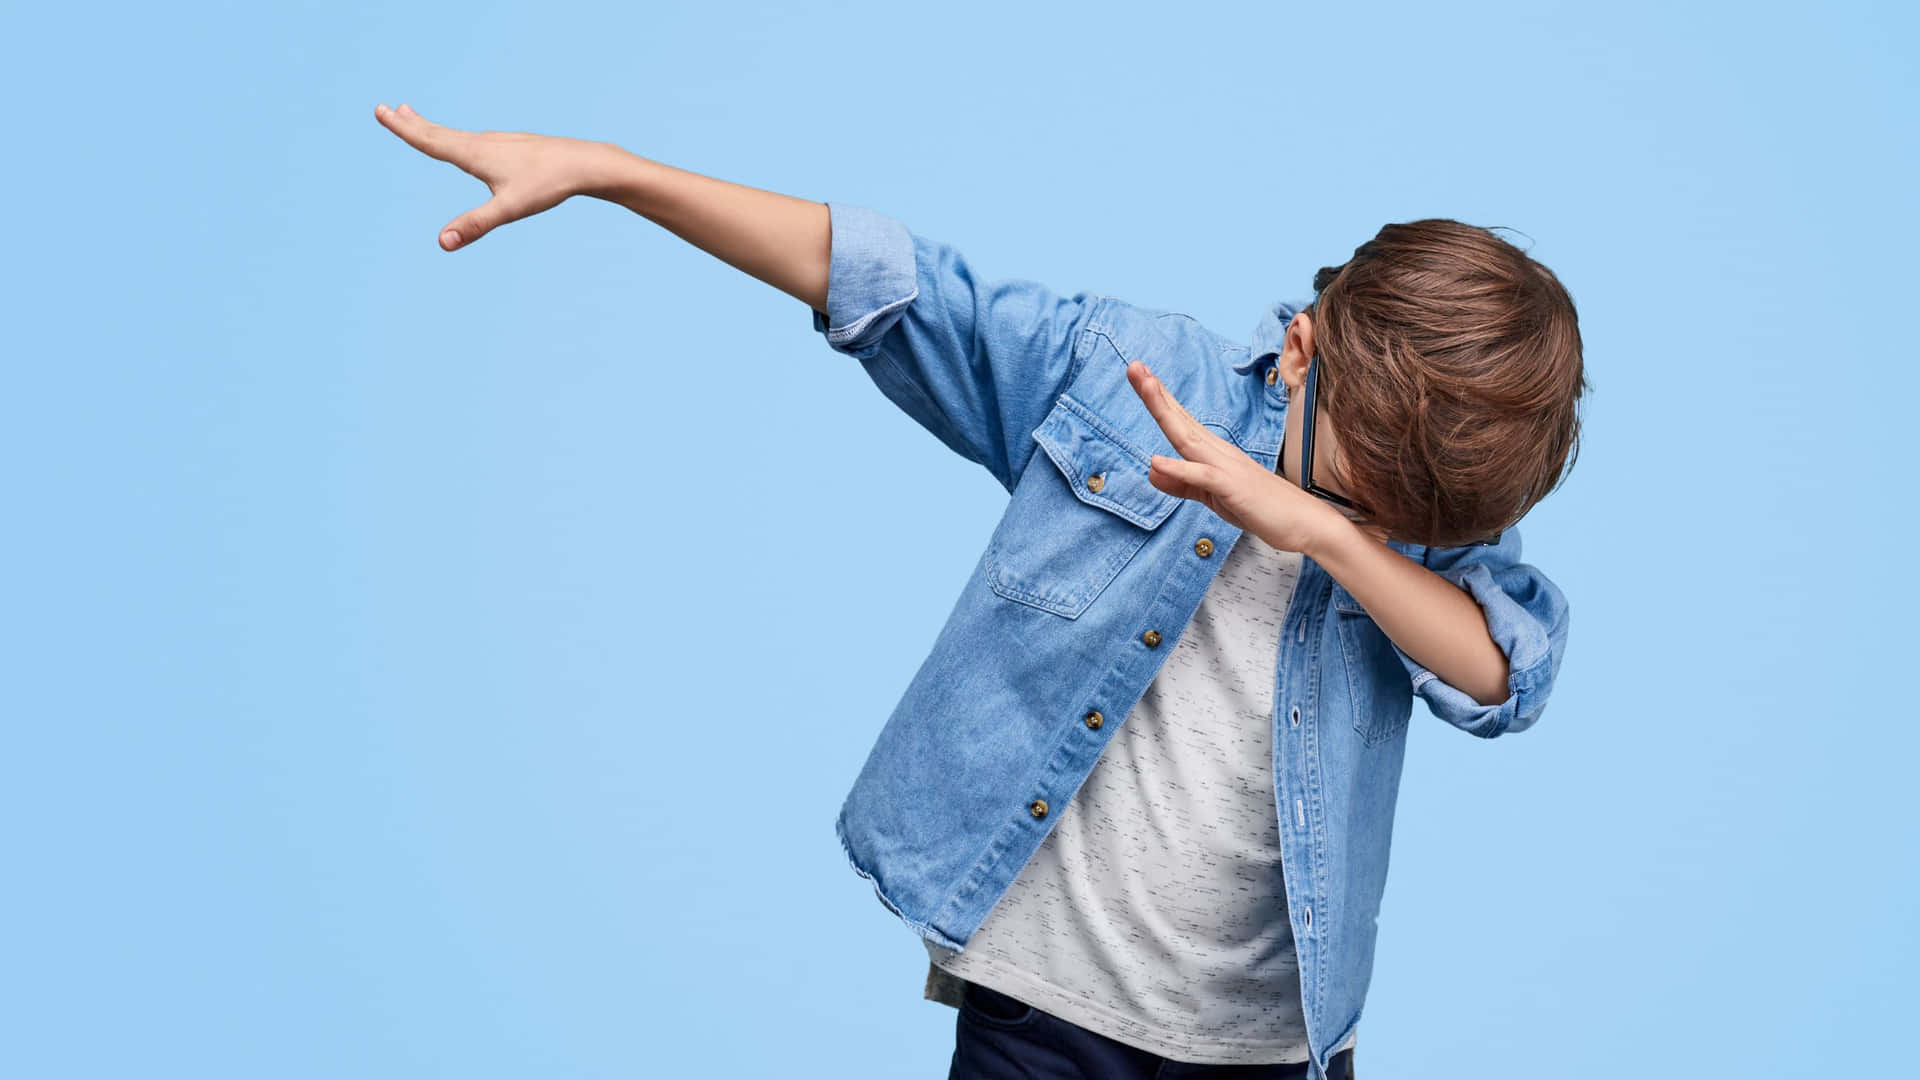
(1194, 362)
(1148, 327)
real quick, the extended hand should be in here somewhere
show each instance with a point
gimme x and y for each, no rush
(527, 173)
(1215, 472)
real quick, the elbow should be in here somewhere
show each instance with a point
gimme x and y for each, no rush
(1514, 708)
(1524, 702)
(1496, 688)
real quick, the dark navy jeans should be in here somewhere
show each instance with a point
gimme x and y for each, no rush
(998, 1037)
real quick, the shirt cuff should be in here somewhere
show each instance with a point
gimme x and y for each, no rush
(870, 278)
(1520, 637)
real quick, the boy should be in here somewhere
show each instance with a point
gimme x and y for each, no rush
(1137, 800)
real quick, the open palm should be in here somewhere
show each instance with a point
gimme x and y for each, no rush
(1213, 471)
(527, 173)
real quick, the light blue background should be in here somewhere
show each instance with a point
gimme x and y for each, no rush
(427, 664)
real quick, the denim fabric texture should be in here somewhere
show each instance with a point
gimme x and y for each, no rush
(1085, 585)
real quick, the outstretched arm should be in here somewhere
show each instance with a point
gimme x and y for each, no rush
(780, 239)
(976, 361)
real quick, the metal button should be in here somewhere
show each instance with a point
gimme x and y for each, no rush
(1273, 374)
(1152, 638)
(1094, 719)
(1096, 482)
(1203, 547)
(1039, 808)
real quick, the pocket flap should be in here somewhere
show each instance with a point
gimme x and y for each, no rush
(1085, 447)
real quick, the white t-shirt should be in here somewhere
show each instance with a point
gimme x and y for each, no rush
(1155, 911)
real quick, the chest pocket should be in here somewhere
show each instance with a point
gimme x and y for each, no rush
(1076, 519)
(1381, 689)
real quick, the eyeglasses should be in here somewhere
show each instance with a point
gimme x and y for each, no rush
(1354, 511)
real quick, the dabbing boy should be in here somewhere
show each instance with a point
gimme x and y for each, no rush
(1137, 799)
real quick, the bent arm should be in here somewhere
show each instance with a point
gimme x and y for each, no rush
(1481, 633)
(783, 240)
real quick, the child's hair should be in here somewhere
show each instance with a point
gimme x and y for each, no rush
(1450, 369)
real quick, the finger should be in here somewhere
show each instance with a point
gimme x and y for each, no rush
(1175, 476)
(1166, 409)
(424, 135)
(1193, 441)
(473, 224)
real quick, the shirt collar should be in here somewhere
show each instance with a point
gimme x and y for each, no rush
(1270, 333)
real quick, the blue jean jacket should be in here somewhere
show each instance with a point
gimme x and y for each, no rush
(1085, 586)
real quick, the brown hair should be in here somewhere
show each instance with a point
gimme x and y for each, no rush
(1450, 370)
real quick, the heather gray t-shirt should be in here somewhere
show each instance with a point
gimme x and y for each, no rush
(1155, 911)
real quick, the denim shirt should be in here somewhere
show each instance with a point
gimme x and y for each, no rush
(1088, 581)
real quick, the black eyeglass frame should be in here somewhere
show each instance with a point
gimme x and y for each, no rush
(1306, 457)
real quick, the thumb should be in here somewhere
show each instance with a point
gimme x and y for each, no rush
(471, 225)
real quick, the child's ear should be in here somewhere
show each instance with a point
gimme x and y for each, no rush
(1295, 351)
(1301, 326)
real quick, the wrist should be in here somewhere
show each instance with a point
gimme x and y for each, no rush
(1327, 533)
(618, 175)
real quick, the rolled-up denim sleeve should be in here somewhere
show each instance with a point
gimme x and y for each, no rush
(1526, 616)
(977, 363)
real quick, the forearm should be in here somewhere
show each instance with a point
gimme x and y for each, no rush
(1432, 620)
(782, 240)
